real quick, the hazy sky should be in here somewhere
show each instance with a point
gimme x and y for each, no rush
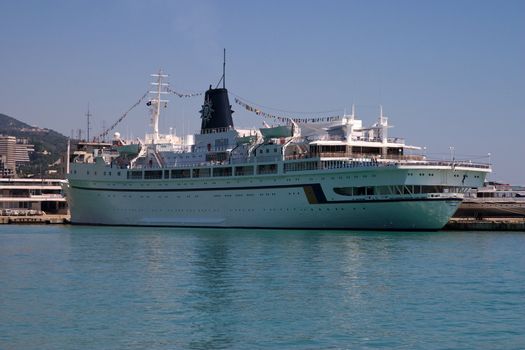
(448, 73)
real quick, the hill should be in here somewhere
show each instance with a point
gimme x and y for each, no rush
(49, 144)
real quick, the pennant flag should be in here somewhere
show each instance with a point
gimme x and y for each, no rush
(260, 112)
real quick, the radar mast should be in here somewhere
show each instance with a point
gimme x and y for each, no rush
(156, 102)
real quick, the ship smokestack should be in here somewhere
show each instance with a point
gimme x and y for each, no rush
(216, 112)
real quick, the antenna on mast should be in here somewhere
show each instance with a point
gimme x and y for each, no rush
(103, 128)
(88, 115)
(223, 78)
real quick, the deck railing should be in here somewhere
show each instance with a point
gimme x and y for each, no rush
(368, 156)
(347, 163)
(339, 159)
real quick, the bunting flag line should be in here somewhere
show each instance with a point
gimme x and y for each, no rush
(181, 95)
(114, 125)
(286, 119)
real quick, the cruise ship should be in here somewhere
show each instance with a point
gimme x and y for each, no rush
(337, 174)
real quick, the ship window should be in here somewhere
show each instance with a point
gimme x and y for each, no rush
(216, 157)
(394, 151)
(345, 191)
(153, 174)
(432, 189)
(202, 172)
(300, 166)
(243, 170)
(330, 149)
(166, 174)
(366, 150)
(222, 172)
(180, 173)
(360, 191)
(135, 175)
(384, 190)
(267, 169)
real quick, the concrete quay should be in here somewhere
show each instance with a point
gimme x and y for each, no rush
(486, 224)
(35, 219)
(455, 224)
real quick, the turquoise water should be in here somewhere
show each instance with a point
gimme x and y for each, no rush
(79, 287)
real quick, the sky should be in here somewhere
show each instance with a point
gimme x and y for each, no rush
(447, 73)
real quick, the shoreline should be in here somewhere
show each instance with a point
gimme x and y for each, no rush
(485, 224)
(46, 219)
(455, 224)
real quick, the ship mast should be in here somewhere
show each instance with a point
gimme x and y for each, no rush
(223, 78)
(88, 115)
(383, 124)
(156, 102)
(224, 69)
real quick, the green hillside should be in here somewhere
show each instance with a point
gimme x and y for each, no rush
(49, 145)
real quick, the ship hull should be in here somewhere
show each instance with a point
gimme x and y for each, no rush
(90, 207)
(286, 201)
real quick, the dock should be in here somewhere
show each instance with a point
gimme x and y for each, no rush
(35, 219)
(455, 224)
(486, 224)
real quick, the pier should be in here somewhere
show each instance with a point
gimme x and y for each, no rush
(486, 224)
(35, 219)
(455, 224)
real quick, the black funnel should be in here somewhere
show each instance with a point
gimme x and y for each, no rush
(216, 112)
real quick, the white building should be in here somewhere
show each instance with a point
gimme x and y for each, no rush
(30, 196)
(13, 151)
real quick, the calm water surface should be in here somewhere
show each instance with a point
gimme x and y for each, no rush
(148, 288)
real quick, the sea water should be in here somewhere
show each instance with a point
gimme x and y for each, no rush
(75, 287)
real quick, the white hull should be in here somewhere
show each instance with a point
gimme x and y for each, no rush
(305, 200)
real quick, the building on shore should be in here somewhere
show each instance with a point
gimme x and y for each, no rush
(32, 196)
(13, 152)
(26, 196)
